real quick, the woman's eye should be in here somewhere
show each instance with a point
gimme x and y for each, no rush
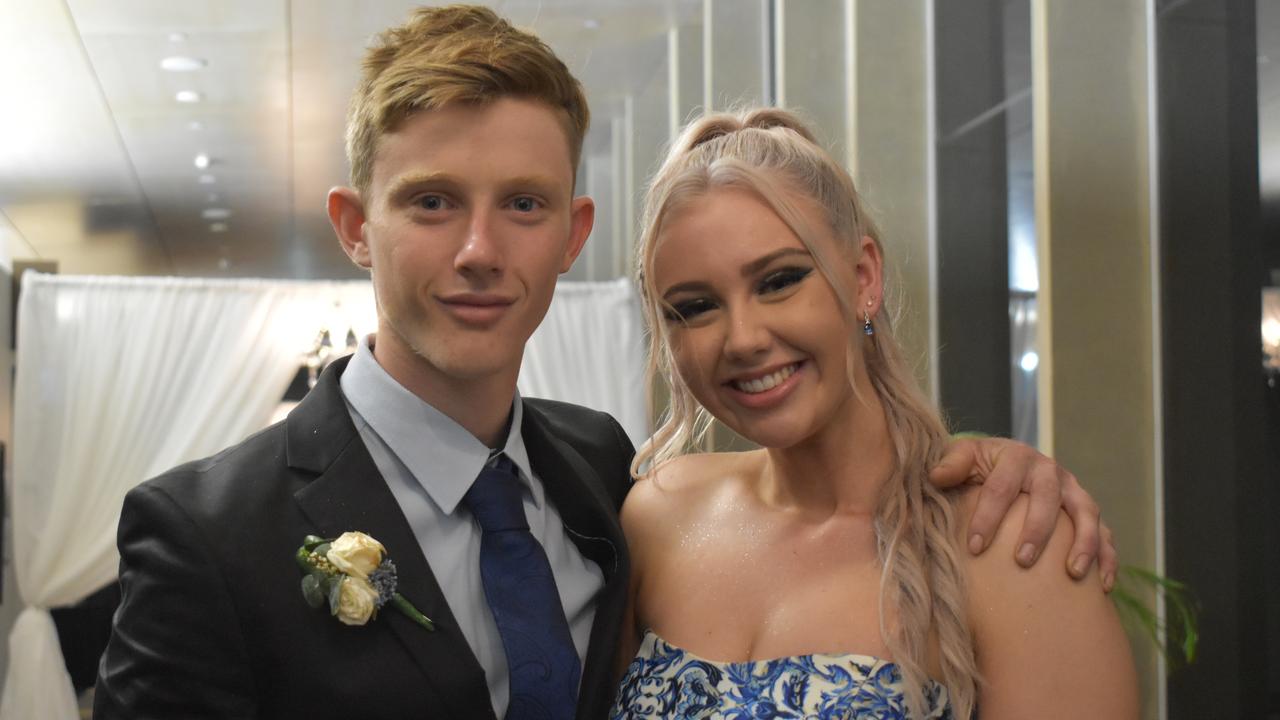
(525, 204)
(433, 203)
(782, 279)
(686, 310)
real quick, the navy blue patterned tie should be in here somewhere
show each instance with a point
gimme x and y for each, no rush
(521, 591)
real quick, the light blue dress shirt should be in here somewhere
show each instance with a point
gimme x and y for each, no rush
(429, 462)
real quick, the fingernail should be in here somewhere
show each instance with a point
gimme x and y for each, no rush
(1026, 553)
(975, 543)
(1109, 581)
(1081, 565)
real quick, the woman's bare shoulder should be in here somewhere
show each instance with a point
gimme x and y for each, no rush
(681, 487)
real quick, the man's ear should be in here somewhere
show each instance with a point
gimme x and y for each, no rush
(346, 215)
(870, 273)
(581, 219)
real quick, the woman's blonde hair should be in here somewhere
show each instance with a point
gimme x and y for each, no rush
(770, 153)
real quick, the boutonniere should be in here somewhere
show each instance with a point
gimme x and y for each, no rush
(355, 576)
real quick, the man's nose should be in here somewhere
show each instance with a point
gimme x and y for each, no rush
(481, 252)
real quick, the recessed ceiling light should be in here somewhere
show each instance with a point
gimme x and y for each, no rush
(187, 96)
(591, 23)
(182, 63)
(203, 161)
(215, 213)
(208, 179)
(195, 125)
(177, 37)
(218, 227)
(223, 263)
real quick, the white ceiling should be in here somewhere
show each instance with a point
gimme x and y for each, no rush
(97, 157)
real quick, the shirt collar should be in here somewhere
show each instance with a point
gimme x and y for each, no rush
(440, 454)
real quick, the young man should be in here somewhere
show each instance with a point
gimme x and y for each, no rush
(498, 511)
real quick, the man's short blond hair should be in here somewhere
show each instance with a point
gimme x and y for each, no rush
(455, 54)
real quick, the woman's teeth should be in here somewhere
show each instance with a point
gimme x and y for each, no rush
(768, 382)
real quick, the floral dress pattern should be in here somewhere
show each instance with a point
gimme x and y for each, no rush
(664, 681)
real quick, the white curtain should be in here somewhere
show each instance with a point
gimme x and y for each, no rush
(119, 379)
(590, 351)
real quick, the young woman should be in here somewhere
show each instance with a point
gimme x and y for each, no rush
(822, 575)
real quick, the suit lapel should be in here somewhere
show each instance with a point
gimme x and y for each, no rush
(577, 492)
(350, 494)
(591, 519)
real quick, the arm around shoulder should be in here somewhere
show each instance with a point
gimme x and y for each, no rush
(1047, 646)
(176, 648)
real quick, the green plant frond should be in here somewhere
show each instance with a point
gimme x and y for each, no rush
(1178, 637)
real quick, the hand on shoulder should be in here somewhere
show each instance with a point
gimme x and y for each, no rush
(1047, 646)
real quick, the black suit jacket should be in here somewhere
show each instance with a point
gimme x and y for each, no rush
(212, 623)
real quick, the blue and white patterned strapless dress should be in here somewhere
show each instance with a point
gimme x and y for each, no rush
(664, 681)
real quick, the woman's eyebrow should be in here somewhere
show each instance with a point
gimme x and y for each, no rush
(759, 264)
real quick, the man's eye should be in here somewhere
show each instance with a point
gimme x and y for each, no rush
(782, 279)
(686, 310)
(433, 202)
(525, 204)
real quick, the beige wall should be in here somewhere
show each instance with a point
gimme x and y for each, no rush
(1093, 221)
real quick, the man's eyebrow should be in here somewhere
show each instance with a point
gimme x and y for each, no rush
(748, 270)
(411, 180)
(540, 183)
(530, 180)
(544, 184)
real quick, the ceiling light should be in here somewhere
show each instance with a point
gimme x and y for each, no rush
(195, 125)
(187, 96)
(182, 63)
(203, 161)
(208, 179)
(1030, 361)
(215, 213)
(591, 24)
(218, 227)
(177, 37)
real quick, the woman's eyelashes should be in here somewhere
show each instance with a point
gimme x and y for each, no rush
(686, 310)
(772, 284)
(779, 280)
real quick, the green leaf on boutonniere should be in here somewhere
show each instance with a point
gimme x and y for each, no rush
(310, 542)
(335, 595)
(311, 590)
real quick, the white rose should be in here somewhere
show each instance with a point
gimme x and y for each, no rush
(355, 553)
(355, 601)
